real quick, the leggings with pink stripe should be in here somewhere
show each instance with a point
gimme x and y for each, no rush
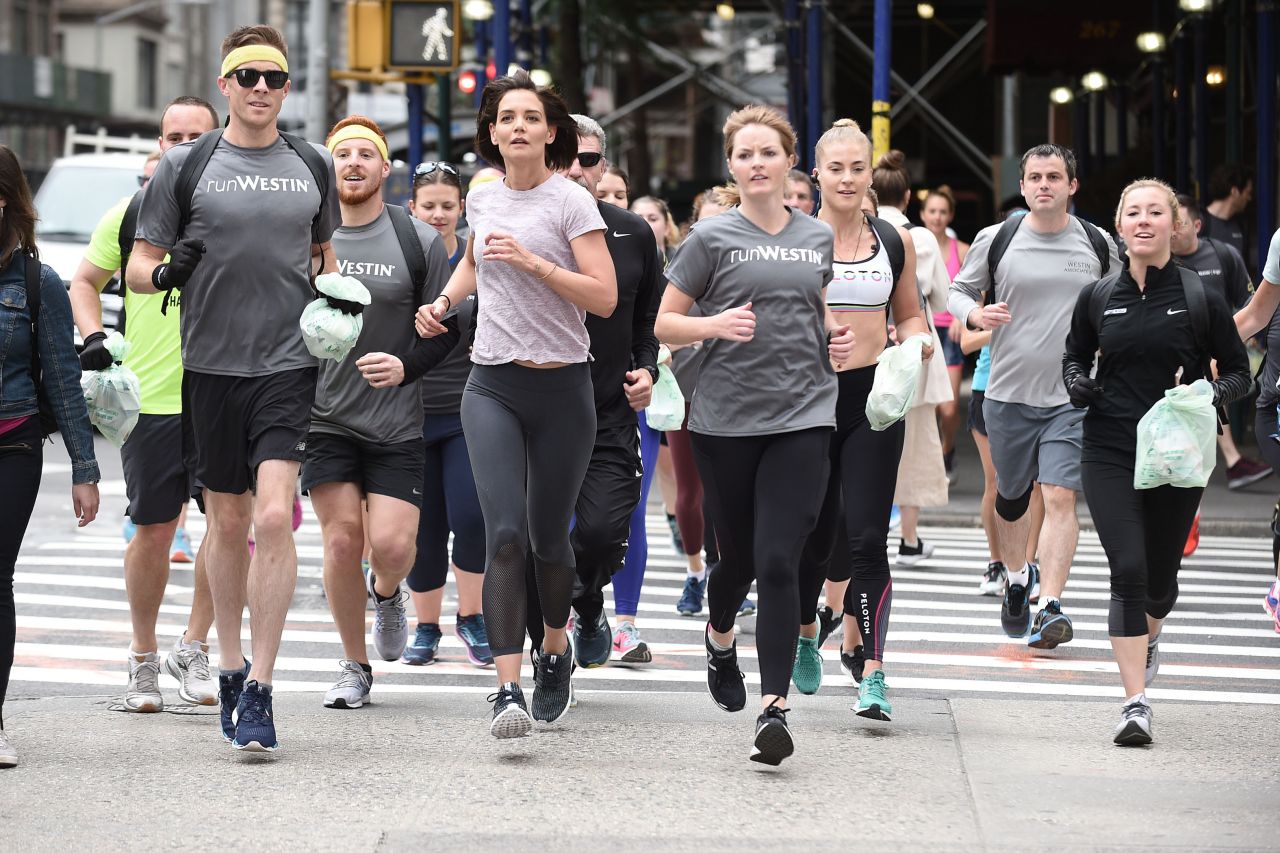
(864, 473)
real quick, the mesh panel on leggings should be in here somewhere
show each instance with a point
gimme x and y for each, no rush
(555, 590)
(504, 600)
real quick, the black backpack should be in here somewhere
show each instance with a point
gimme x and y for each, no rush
(1000, 244)
(125, 237)
(410, 246)
(31, 278)
(892, 241)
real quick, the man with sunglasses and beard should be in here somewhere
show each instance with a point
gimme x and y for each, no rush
(624, 354)
(366, 442)
(244, 239)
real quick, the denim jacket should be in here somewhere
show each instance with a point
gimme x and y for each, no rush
(61, 366)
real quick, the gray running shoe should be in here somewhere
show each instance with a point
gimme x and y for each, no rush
(352, 688)
(552, 685)
(143, 693)
(1135, 724)
(189, 664)
(390, 627)
(1153, 660)
(8, 754)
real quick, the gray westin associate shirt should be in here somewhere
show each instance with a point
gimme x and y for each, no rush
(345, 402)
(781, 380)
(1040, 277)
(253, 208)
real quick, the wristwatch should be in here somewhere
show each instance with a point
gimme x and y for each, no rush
(653, 371)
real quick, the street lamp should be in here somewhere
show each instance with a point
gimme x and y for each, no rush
(1061, 95)
(1195, 6)
(1151, 42)
(478, 10)
(725, 11)
(1215, 76)
(925, 11)
(1094, 81)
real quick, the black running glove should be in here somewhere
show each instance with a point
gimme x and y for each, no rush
(346, 306)
(94, 356)
(1084, 392)
(183, 259)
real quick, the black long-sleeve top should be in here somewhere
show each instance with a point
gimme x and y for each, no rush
(1145, 337)
(625, 340)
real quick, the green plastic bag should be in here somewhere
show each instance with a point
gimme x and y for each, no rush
(666, 409)
(328, 332)
(113, 396)
(1177, 439)
(894, 387)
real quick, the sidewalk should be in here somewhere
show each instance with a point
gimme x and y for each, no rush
(645, 772)
(1246, 512)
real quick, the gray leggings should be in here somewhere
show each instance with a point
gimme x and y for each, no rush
(529, 432)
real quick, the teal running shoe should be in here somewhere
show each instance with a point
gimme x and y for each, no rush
(806, 673)
(872, 700)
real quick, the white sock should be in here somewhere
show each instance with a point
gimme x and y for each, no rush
(717, 646)
(1135, 697)
(1045, 602)
(699, 576)
(1021, 577)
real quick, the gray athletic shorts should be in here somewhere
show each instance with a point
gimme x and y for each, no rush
(1034, 444)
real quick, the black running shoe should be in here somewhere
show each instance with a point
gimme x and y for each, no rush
(229, 689)
(1015, 610)
(675, 534)
(853, 663)
(1051, 628)
(592, 641)
(552, 685)
(829, 622)
(773, 740)
(724, 680)
(510, 714)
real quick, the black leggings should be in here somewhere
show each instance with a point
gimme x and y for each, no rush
(1142, 532)
(764, 493)
(530, 433)
(21, 459)
(864, 474)
(449, 503)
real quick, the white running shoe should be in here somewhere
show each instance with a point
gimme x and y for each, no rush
(351, 689)
(189, 664)
(390, 626)
(8, 754)
(143, 693)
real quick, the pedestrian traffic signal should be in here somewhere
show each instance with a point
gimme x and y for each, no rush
(422, 35)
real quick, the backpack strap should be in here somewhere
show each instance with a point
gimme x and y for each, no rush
(1099, 244)
(319, 172)
(189, 176)
(1197, 310)
(889, 237)
(999, 245)
(128, 230)
(411, 247)
(1100, 297)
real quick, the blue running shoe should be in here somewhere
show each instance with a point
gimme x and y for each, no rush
(229, 690)
(895, 517)
(690, 603)
(181, 551)
(592, 642)
(1015, 610)
(472, 633)
(1051, 628)
(255, 724)
(747, 607)
(422, 649)
(129, 529)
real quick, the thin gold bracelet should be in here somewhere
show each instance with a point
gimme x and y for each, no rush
(554, 267)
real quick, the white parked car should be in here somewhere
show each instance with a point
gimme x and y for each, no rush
(76, 193)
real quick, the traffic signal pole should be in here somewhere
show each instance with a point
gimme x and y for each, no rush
(317, 125)
(415, 94)
(880, 77)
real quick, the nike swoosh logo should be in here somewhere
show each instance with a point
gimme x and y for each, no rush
(417, 491)
(616, 234)
(1172, 312)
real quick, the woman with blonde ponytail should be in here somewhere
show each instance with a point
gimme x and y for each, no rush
(874, 272)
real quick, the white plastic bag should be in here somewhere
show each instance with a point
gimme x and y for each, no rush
(113, 395)
(327, 331)
(1177, 439)
(666, 408)
(894, 387)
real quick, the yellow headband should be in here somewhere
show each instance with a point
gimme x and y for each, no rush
(253, 53)
(357, 131)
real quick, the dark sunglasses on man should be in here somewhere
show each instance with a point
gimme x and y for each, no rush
(588, 159)
(429, 167)
(247, 78)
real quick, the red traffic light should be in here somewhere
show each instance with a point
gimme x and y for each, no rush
(467, 82)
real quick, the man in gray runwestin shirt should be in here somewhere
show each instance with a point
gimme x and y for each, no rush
(1035, 432)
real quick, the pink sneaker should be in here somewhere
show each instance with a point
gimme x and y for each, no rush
(297, 512)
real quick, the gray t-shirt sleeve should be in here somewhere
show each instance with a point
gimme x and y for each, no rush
(158, 217)
(581, 215)
(330, 207)
(1112, 250)
(691, 268)
(973, 279)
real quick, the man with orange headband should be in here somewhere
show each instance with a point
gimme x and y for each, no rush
(246, 215)
(366, 426)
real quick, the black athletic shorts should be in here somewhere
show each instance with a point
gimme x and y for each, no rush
(156, 480)
(977, 422)
(234, 423)
(394, 470)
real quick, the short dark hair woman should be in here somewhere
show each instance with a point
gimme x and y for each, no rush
(538, 261)
(21, 433)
